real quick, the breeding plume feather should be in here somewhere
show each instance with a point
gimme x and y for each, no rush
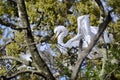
(85, 32)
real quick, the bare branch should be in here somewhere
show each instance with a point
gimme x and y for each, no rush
(41, 17)
(101, 7)
(108, 75)
(40, 73)
(83, 54)
(41, 65)
(12, 26)
(14, 58)
(104, 24)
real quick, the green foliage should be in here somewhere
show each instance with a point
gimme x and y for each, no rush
(2, 70)
(115, 50)
(11, 10)
(16, 47)
(117, 76)
(54, 12)
(19, 37)
(60, 62)
(1, 8)
(115, 5)
(92, 71)
(66, 71)
(116, 32)
(54, 15)
(1, 32)
(34, 77)
(88, 7)
(13, 49)
(73, 21)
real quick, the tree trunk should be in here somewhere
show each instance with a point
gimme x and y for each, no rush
(39, 62)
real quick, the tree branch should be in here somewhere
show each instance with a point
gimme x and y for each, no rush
(40, 73)
(83, 54)
(41, 17)
(108, 75)
(101, 7)
(41, 65)
(14, 58)
(12, 26)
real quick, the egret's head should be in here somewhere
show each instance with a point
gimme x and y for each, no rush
(60, 29)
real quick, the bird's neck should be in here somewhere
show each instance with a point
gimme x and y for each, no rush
(60, 39)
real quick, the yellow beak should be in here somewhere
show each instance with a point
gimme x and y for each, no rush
(54, 37)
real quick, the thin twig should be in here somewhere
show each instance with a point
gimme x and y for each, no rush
(40, 73)
(111, 72)
(12, 26)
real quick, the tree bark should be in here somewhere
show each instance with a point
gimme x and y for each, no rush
(40, 64)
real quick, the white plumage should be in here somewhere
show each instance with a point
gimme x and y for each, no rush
(62, 32)
(88, 32)
(108, 38)
(85, 32)
(25, 56)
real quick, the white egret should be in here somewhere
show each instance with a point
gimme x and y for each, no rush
(84, 29)
(62, 32)
(85, 32)
(88, 32)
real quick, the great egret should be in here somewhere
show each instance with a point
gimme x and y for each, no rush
(62, 32)
(85, 32)
(89, 32)
(84, 29)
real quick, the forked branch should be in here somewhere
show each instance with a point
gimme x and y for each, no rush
(83, 54)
